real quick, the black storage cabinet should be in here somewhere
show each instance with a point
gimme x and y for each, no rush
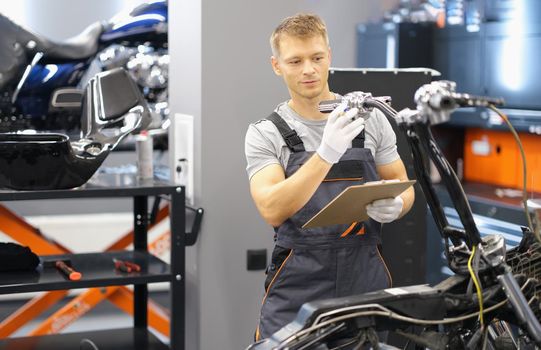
(404, 241)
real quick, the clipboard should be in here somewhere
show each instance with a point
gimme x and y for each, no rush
(350, 205)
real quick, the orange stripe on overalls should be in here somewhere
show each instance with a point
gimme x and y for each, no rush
(346, 232)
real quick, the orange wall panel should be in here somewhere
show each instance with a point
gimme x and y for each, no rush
(532, 149)
(497, 163)
(493, 157)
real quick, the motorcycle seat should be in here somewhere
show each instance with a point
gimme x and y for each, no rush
(81, 46)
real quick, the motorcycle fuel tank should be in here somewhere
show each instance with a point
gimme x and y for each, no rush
(145, 21)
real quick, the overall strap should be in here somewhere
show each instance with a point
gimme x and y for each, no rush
(292, 140)
(358, 141)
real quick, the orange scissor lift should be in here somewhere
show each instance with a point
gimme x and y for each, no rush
(120, 296)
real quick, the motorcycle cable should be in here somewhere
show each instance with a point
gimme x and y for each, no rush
(534, 230)
(477, 284)
(387, 313)
(483, 330)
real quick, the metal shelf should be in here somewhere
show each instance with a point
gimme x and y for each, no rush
(522, 120)
(484, 201)
(105, 185)
(114, 339)
(97, 270)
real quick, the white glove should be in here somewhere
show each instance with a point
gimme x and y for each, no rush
(385, 210)
(338, 133)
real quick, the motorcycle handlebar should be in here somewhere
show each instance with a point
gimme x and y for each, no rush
(455, 100)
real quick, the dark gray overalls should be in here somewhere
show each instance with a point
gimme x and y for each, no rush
(322, 262)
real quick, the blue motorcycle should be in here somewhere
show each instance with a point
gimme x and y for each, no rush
(42, 82)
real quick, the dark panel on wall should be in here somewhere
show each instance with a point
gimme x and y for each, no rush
(458, 57)
(498, 60)
(505, 10)
(372, 45)
(401, 87)
(406, 44)
(404, 241)
(512, 69)
(414, 44)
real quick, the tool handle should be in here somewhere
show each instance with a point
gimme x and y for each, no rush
(121, 266)
(68, 271)
(131, 265)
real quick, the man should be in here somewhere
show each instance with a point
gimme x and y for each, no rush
(298, 161)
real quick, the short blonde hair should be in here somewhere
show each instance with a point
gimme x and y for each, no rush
(302, 26)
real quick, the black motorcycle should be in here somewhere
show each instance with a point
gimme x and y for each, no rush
(492, 301)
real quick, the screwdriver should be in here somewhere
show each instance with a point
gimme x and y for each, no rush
(126, 266)
(68, 271)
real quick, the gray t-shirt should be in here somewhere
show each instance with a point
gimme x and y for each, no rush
(264, 145)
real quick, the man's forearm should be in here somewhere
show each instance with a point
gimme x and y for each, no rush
(408, 197)
(288, 196)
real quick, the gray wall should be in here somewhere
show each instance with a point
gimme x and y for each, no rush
(61, 19)
(227, 85)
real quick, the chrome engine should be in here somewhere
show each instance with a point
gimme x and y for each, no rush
(149, 67)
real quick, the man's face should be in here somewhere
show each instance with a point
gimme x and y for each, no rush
(304, 65)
